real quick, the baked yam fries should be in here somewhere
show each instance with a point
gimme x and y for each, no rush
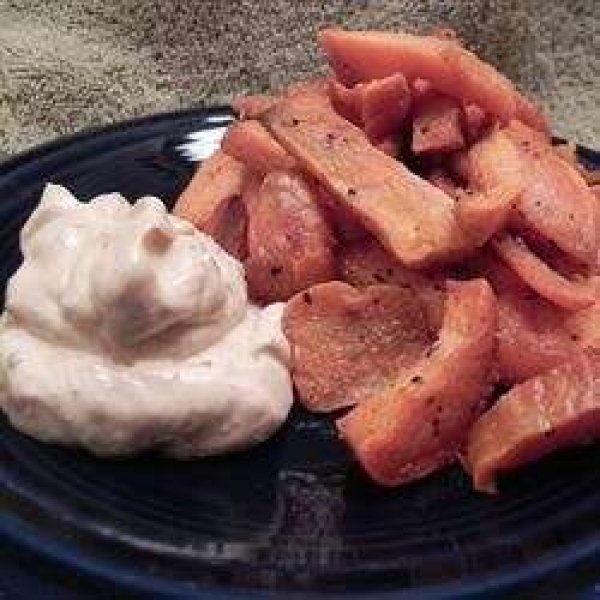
(433, 248)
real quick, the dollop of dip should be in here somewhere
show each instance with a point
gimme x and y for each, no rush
(126, 329)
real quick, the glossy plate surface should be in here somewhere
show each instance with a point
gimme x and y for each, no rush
(293, 515)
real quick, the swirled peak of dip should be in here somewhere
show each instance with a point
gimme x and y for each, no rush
(126, 329)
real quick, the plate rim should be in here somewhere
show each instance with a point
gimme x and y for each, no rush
(61, 141)
(56, 549)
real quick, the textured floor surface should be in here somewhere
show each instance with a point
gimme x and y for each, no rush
(67, 64)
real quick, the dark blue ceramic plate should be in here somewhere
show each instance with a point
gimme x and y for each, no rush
(294, 515)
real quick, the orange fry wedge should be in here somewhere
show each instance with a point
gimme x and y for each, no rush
(365, 262)
(358, 56)
(417, 424)
(555, 202)
(413, 219)
(535, 273)
(349, 343)
(532, 336)
(584, 325)
(437, 125)
(290, 244)
(251, 144)
(211, 201)
(483, 215)
(558, 409)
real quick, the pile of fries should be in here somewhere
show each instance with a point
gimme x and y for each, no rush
(433, 247)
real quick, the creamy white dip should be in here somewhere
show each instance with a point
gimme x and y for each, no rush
(126, 329)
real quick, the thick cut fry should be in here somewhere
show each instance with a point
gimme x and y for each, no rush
(533, 272)
(251, 144)
(358, 56)
(289, 240)
(584, 325)
(347, 227)
(218, 178)
(482, 215)
(365, 262)
(347, 343)
(230, 228)
(437, 125)
(552, 411)
(252, 106)
(385, 106)
(380, 106)
(211, 201)
(419, 423)
(494, 160)
(414, 220)
(532, 337)
(555, 202)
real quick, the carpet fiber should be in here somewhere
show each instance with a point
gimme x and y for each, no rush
(66, 64)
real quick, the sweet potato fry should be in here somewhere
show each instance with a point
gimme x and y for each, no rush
(414, 220)
(555, 203)
(437, 125)
(252, 106)
(211, 201)
(552, 411)
(482, 215)
(535, 273)
(418, 424)
(380, 106)
(347, 227)
(290, 245)
(385, 104)
(493, 161)
(365, 262)
(348, 343)
(584, 325)
(230, 228)
(251, 144)
(532, 337)
(358, 56)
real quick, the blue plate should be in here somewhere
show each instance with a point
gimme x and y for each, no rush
(294, 515)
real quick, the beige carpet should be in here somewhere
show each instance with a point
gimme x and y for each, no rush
(69, 64)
